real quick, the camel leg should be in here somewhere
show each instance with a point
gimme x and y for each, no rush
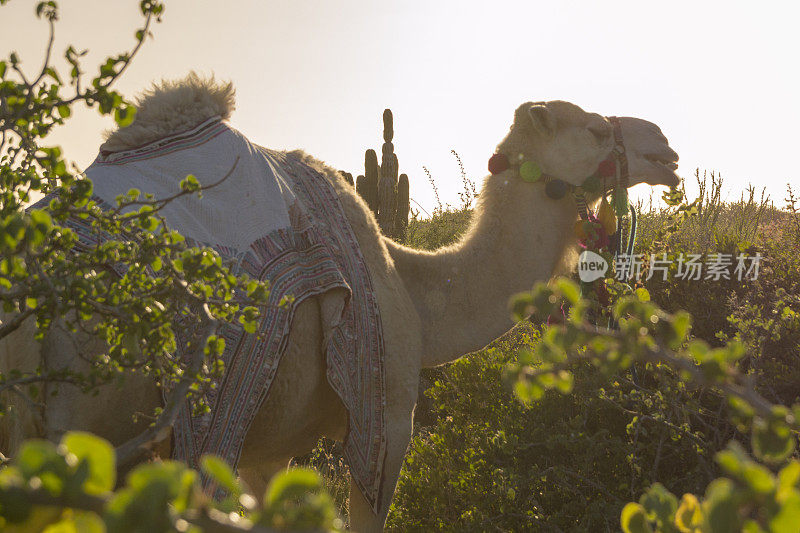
(401, 398)
(362, 519)
(299, 409)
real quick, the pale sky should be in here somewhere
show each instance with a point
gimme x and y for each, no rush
(721, 79)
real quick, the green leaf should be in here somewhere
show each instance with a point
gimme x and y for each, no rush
(569, 290)
(772, 442)
(758, 478)
(787, 520)
(634, 519)
(642, 294)
(214, 345)
(86, 522)
(248, 325)
(527, 391)
(291, 485)
(99, 455)
(565, 382)
(124, 116)
(41, 220)
(689, 516)
(721, 507)
(190, 183)
(659, 503)
(789, 476)
(34, 454)
(751, 526)
(221, 473)
(146, 499)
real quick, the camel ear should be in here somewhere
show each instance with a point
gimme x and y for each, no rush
(543, 120)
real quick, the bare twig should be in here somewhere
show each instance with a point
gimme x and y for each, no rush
(9, 327)
(49, 51)
(29, 379)
(162, 202)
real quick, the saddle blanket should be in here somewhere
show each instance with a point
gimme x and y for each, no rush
(278, 220)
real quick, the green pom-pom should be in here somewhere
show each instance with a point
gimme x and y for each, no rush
(621, 202)
(591, 184)
(530, 171)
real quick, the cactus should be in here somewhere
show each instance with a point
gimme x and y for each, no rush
(403, 207)
(387, 186)
(379, 187)
(370, 188)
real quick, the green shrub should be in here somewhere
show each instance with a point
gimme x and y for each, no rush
(479, 461)
(442, 229)
(562, 463)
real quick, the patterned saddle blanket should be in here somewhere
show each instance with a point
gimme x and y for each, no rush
(278, 220)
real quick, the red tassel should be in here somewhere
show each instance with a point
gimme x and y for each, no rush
(607, 168)
(498, 163)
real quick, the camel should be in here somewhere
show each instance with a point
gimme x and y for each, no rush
(434, 306)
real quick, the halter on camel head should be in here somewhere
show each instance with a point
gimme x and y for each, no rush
(598, 231)
(615, 166)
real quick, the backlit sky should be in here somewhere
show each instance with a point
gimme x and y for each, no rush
(721, 79)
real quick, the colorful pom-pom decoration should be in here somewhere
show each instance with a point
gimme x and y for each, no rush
(556, 189)
(530, 171)
(607, 168)
(498, 163)
(592, 184)
(606, 217)
(596, 236)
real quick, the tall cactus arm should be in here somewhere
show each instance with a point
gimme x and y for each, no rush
(371, 184)
(403, 208)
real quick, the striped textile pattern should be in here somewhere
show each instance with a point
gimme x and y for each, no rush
(317, 253)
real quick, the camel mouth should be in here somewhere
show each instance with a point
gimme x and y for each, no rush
(664, 167)
(671, 163)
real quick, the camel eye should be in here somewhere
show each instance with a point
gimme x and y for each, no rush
(600, 132)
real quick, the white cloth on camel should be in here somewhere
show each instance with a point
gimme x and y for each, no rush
(252, 202)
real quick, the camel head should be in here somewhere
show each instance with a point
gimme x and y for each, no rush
(568, 143)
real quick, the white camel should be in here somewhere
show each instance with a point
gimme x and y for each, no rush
(434, 306)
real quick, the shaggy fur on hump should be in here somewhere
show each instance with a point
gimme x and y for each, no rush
(171, 107)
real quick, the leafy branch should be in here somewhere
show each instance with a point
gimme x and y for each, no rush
(751, 497)
(121, 275)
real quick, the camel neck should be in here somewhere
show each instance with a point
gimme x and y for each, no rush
(461, 292)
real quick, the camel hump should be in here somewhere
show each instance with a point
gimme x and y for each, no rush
(173, 106)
